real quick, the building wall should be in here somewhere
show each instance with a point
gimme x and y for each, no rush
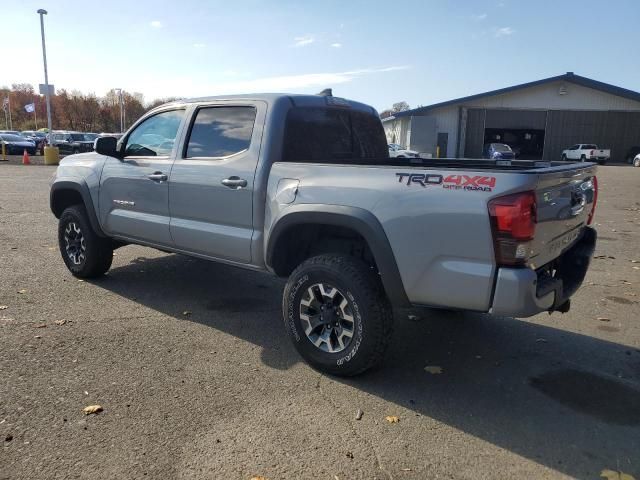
(547, 97)
(542, 97)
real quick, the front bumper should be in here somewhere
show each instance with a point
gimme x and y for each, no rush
(522, 292)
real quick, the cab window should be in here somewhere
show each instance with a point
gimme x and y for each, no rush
(155, 136)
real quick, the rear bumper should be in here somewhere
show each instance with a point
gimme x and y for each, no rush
(522, 292)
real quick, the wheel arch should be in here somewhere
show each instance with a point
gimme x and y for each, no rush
(65, 193)
(361, 223)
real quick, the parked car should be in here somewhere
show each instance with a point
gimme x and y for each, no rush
(71, 142)
(498, 151)
(11, 132)
(398, 151)
(17, 144)
(586, 152)
(302, 186)
(631, 154)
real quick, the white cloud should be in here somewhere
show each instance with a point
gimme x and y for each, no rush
(298, 82)
(156, 24)
(303, 41)
(336, 45)
(479, 18)
(199, 45)
(504, 31)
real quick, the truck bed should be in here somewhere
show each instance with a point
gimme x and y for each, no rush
(520, 166)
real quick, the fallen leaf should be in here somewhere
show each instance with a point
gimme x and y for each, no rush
(359, 414)
(635, 261)
(433, 369)
(392, 419)
(407, 469)
(615, 475)
(23, 291)
(3, 307)
(603, 319)
(80, 280)
(186, 312)
(636, 268)
(60, 322)
(37, 336)
(92, 409)
(41, 325)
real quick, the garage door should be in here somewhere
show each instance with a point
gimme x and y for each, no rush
(479, 119)
(617, 131)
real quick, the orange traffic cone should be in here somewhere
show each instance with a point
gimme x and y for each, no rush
(25, 158)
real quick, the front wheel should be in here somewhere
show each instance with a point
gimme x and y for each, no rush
(337, 314)
(85, 254)
(583, 158)
(636, 161)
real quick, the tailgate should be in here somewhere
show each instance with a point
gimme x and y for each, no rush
(564, 201)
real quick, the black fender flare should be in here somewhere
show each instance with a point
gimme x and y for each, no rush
(83, 190)
(358, 219)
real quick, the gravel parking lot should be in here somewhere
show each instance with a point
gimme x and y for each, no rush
(197, 378)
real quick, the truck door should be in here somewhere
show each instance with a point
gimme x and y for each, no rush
(212, 182)
(134, 191)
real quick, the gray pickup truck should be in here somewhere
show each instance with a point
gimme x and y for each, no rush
(302, 186)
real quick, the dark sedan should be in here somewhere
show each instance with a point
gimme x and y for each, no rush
(17, 144)
(498, 151)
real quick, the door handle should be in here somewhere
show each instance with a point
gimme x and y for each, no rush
(157, 177)
(234, 182)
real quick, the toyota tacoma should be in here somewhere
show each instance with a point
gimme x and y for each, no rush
(302, 186)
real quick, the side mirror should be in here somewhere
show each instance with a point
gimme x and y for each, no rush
(106, 146)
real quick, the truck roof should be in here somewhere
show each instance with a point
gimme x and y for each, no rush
(271, 98)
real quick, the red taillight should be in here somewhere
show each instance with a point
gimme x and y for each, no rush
(595, 200)
(513, 223)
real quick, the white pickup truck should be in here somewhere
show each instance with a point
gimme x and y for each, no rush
(586, 152)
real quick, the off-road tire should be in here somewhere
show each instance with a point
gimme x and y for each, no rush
(98, 251)
(373, 318)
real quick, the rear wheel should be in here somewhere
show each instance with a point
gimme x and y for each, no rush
(337, 314)
(583, 158)
(636, 161)
(564, 157)
(85, 254)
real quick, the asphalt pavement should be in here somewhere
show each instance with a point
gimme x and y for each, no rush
(197, 379)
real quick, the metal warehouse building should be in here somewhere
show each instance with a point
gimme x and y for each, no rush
(538, 119)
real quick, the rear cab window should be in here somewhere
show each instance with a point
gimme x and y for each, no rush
(332, 135)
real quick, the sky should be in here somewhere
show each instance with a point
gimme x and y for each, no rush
(376, 52)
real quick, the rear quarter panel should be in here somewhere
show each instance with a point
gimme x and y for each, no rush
(439, 233)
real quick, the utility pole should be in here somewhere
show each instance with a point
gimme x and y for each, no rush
(43, 12)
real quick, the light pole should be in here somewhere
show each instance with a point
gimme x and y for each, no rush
(42, 12)
(121, 102)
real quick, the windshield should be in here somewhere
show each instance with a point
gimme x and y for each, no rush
(501, 147)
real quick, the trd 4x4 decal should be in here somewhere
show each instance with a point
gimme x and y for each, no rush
(450, 182)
